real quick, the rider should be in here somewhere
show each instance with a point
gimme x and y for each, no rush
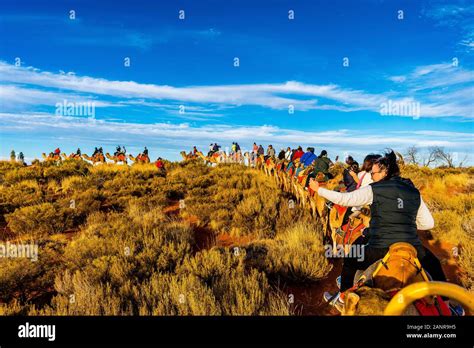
(397, 212)
(270, 151)
(260, 150)
(96, 150)
(118, 150)
(297, 154)
(321, 165)
(145, 152)
(350, 176)
(57, 152)
(308, 157)
(363, 177)
(288, 154)
(255, 148)
(281, 154)
(78, 152)
(159, 163)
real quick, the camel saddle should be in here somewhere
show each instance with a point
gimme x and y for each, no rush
(399, 268)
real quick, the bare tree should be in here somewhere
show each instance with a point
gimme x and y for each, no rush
(444, 157)
(412, 155)
(461, 163)
(431, 157)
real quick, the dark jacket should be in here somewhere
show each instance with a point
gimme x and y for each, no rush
(349, 181)
(393, 213)
(322, 165)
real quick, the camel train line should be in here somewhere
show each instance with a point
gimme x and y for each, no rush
(397, 283)
(98, 157)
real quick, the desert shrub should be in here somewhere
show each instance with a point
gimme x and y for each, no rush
(19, 174)
(76, 183)
(209, 265)
(237, 289)
(40, 219)
(77, 295)
(23, 193)
(296, 254)
(65, 169)
(171, 295)
(22, 278)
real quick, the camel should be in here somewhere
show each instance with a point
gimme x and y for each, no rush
(301, 194)
(117, 158)
(97, 158)
(51, 157)
(268, 166)
(283, 179)
(260, 162)
(71, 156)
(347, 234)
(185, 156)
(390, 286)
(140, 159)
(215, 158)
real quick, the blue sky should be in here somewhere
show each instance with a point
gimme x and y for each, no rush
(408, 77)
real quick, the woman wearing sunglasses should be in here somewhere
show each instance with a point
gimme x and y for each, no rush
(397, 212)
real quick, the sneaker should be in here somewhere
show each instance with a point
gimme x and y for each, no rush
(334, 300)
(338, 282)
(456, 310)
(328, 297)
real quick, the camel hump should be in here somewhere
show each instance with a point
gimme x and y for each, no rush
(399, 268)
(402, 249)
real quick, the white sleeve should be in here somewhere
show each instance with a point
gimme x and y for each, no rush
(424, 219)
(355, 198)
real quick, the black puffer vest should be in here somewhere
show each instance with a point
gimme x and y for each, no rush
(393, 213)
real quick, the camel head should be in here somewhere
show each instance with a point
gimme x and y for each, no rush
(365, 301)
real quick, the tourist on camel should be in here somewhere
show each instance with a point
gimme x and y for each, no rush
(308, 158)
(288, 154)
(350, 177)
(297, 154)
(270, 152)
(321, 165)
(281, 154)
(397, 212)
(118, 150)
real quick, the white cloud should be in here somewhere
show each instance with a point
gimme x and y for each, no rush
(185, 135)
(280, 96)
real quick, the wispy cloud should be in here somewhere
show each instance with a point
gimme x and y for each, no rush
(279, 96)
(186, 134)
(166, 139)
(441, 89)
(456, 14)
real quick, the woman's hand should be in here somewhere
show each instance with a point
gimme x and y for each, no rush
(314, 185)
(354, 176)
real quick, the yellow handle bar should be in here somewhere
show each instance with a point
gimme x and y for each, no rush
(416, 291)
